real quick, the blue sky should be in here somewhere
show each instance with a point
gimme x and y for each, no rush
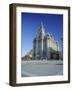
(30, 22)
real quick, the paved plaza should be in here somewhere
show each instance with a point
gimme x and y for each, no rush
(41, 68)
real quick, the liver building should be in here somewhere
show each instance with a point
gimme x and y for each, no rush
(44, 45)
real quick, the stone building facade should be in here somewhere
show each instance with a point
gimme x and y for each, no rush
(44, 45)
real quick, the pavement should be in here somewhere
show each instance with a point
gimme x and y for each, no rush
(41, 68)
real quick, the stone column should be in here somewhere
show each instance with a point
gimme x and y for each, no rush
(48, 48)
(34, 49)
(42, 49)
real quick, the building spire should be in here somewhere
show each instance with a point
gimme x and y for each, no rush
(41, 24)
(41, 31)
